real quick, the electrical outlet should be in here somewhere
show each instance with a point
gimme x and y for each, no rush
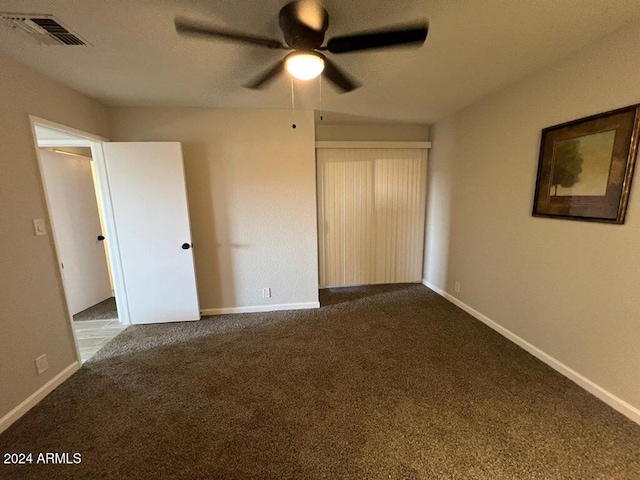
(456, 286)
(42, 364)
(39, 227)
(266, 293)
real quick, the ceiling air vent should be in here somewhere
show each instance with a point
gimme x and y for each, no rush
(45, 29)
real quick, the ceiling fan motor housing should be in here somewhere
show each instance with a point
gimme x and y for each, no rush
(298, 35)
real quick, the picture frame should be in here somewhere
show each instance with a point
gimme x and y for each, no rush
(585, 167)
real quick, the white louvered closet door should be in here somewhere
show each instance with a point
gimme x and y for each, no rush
(371, 215)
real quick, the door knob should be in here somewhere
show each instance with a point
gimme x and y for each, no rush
(186, 246)
(100, 238)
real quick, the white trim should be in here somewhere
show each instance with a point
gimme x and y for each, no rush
(65, 129)
(607, 397)
(64, 143)
(37, 396)
(260, 308)
(373, 144)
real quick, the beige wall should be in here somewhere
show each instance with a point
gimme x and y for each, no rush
(570, 288)
(251, 188)
(33, 320)
(372, 133)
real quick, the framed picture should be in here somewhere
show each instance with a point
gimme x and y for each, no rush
(585, 167)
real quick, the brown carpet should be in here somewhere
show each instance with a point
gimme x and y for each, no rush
(385, 382)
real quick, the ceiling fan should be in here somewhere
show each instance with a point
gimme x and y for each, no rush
(304, 23)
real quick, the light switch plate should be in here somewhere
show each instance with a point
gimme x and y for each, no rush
(39, 227)
(42, 364)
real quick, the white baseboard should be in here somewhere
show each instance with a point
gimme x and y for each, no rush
(34, 398)
(260, 308)
(607, 397)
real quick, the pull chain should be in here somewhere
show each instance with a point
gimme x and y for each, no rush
(293, 106)
(321, 98)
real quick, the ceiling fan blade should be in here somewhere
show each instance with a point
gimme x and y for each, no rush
(191, 27)
(338, 77)
(413, 34)
(267, 76)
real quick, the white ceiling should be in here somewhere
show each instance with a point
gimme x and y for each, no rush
(474, 47)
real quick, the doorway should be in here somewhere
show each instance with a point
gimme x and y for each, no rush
(79, 230)
(68, 175)
(140, 231)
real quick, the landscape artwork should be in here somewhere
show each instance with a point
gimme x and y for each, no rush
(586, 166)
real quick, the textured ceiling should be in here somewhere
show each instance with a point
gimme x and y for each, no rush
(474, 47)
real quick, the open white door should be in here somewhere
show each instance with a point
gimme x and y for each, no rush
(149, 200)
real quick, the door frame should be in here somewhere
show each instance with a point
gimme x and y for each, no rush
(85, 139)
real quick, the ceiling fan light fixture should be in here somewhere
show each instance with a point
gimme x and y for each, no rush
(304, 66)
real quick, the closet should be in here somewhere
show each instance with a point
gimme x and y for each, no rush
(371, 212)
